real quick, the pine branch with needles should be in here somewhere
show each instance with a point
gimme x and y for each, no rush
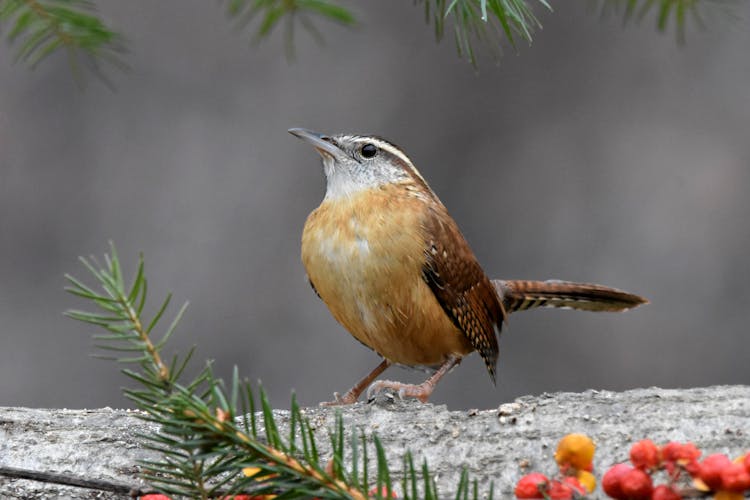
(211, 440)
(667, 15)
(39, 28)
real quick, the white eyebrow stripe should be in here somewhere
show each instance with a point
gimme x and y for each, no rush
(393, 150)
(386, 146)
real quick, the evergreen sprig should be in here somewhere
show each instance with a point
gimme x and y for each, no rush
(211, 441)
(273, 12)
(41, 27)
(668, 13)
(485, 21)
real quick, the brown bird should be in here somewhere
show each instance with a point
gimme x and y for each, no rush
(392, 266)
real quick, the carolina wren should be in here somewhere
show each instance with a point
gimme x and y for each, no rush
(392, 266)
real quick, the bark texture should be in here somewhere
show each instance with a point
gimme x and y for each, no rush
(496, 445)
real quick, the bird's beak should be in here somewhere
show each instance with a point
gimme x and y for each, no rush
(321, 142)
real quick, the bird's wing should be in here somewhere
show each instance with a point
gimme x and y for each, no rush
(463, 290)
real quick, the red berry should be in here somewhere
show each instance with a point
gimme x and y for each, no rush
(532, 485)
(693, 468)
(678, 452)
(689, 452)
(664, 492)
(154, 496)
(560, 491)
(735, 478)
(383, 492)
(636, 485)
(645, 455)
(670, 450)
(575, 484)
(711, 469)
(611, 482)
(746, 462)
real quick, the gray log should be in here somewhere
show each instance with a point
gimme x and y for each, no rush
(495, 445)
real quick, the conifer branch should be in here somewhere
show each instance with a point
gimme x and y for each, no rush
(484, 21)
(42, 27)
(272, 12)
(668, 14)
(209, 437)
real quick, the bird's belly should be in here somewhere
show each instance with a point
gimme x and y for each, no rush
(367, 268)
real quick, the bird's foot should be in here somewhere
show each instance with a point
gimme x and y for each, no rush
(338, 400)
(422, 391)
(352, 395)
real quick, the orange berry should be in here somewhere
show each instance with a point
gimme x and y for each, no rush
(728, 495)
(644, 455)
(664, 492)
(575, 450)
(711, 469)
(612, 480)
(587, 480)
(636, 485)
(735, 478)
(531, 486)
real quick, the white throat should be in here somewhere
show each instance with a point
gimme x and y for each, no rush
(345, 181)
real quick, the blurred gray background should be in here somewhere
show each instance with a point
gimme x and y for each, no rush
(602, 153)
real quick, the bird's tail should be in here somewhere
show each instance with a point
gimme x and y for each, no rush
(519, 295)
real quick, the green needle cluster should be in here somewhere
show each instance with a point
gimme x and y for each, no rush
(215, 439)
(38, 28)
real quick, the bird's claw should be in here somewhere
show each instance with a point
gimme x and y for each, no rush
(339, 400)
(421, 392)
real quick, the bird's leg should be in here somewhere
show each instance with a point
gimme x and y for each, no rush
(422, 391)
(353, 394)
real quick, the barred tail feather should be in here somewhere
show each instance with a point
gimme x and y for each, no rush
(519, 295)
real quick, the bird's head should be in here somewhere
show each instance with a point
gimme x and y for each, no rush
(353, 163)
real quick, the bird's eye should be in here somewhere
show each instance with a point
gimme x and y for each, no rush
(369, 150)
